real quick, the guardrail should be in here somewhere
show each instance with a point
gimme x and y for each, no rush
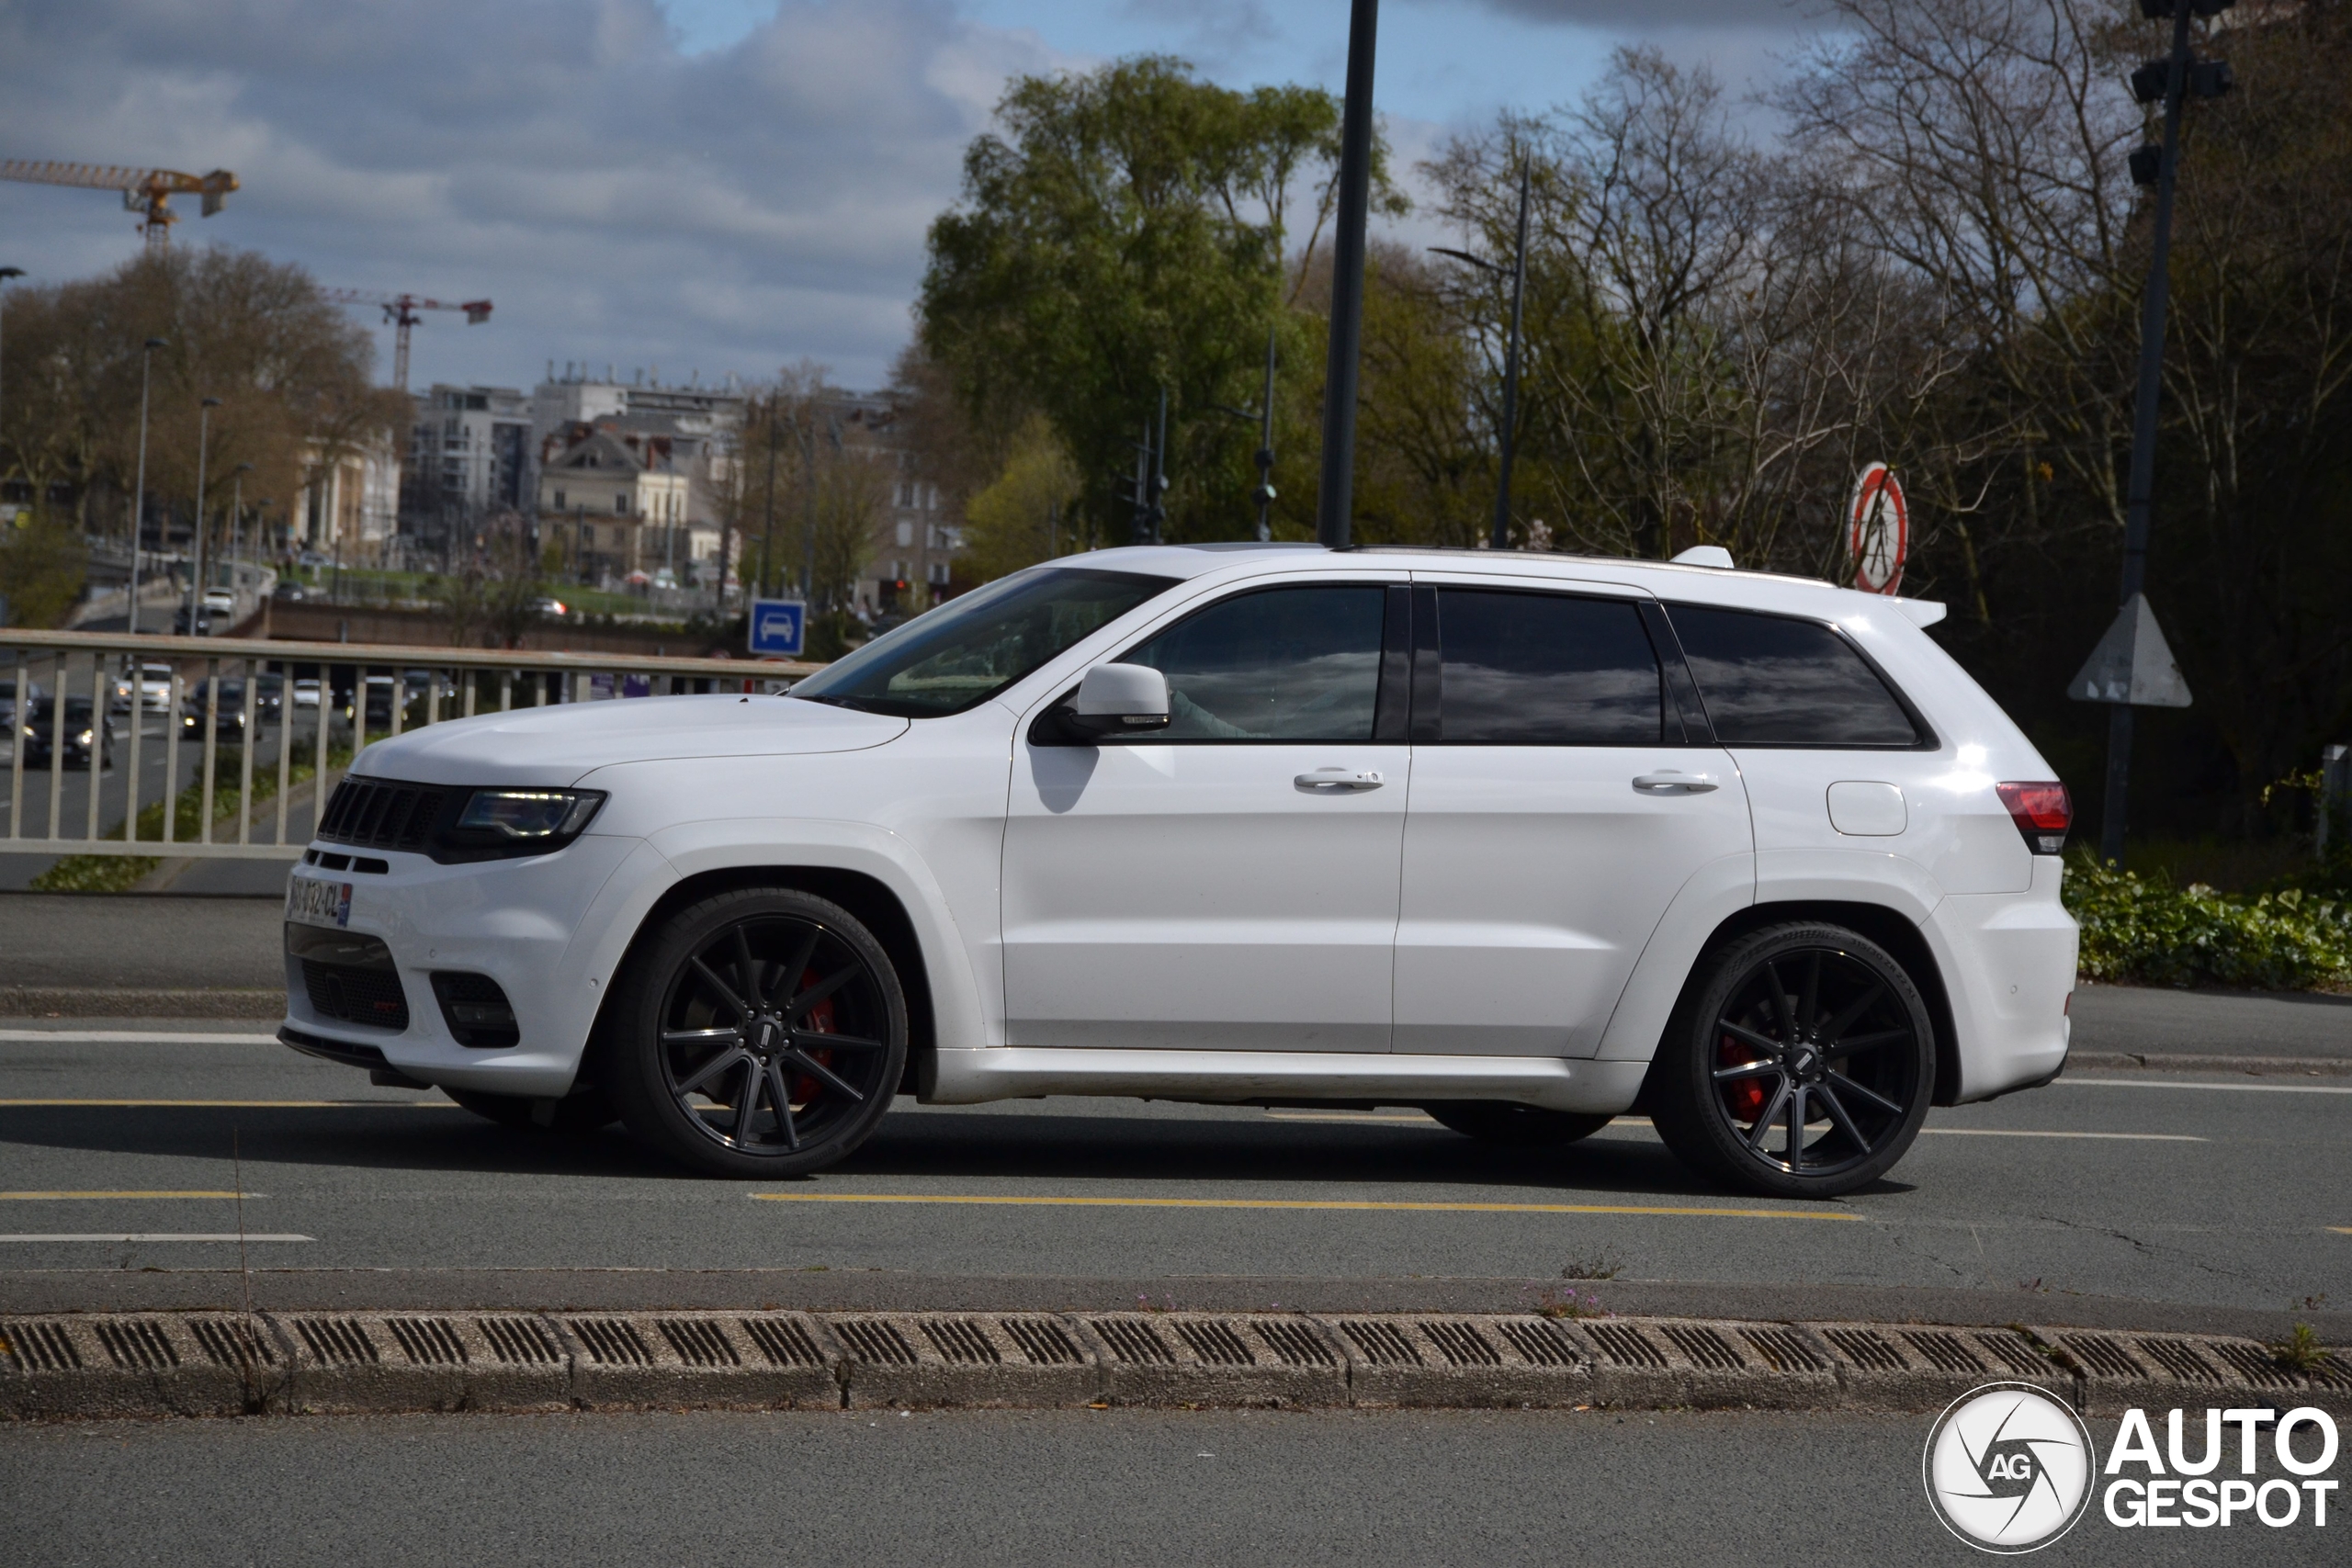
(236, 715)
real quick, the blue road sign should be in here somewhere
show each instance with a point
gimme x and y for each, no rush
(777, 627)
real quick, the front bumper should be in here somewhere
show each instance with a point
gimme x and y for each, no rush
(537, 926)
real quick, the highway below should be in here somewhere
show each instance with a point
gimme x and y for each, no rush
(2199, 1191)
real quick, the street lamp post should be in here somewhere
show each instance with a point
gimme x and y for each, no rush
(236, 516)
(195, 578)
(5, 274)
(139, 491)
(1500, 538)
(1335, 501)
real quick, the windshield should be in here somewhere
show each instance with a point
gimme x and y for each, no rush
(970, 648)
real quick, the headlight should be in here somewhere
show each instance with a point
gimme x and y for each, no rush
(530, 815)
(83, 738)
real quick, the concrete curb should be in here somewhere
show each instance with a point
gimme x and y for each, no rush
(139, 1001)
(99, 1366)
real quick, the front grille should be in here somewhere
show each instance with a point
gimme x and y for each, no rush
(476, 1009)
(354, 995)
(382, 816)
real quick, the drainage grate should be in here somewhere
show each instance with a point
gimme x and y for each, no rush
(1381, 1344)
(611, 1341)
(1296, 1343)
(1216, 1342)
(1941, 1350)
(1463, 1345)
(2103, 1356)
(876, 1343)
(1042, 1340)
(2176, 1357)
(961, 1341)
(698, 1341)
(337, 1342)
(137, 1343)
(2014, 1353)
(783, 1341)
(429, 1341)
(1784, 1349)
(2251, 1364)
(42, 1346)
(1703, 1345)
(1134, 1341)
(1626, 1345)
(520, 1341)
(1866, 1349)
(1542, 1343)
(232, 1343)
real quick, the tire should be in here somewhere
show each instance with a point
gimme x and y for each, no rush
(1515, 1126)
(1783, 1025)
(583, 1113)
(702, 1014)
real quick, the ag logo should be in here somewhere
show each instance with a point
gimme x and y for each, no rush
(2008, 1467)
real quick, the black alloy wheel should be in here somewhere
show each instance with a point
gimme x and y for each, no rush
(763, 1034)
(1800, 1063)
(1512, 1125)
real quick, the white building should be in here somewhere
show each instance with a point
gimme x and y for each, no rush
(469, 460)
(349, 505)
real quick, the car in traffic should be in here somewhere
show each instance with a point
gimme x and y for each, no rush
(34, 690)
(219, 601)
(288, 592)
(230, 715)
(1529, 841)
(41, 742)
(198, 623)
(152, 686)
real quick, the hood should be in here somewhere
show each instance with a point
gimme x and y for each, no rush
(555, 746)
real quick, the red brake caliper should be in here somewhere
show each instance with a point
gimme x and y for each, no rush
(817, 1020)
(1744, 1097)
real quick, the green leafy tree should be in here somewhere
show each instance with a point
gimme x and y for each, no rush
(1126, 230)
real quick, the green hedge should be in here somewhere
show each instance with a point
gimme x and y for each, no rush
(2147, 931)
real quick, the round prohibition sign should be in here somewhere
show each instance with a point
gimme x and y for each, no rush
(1878, 531)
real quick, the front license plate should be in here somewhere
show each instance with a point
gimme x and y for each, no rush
(316, 903)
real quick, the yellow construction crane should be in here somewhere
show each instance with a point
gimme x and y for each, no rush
(147, 192)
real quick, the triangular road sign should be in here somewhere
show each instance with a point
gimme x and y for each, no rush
(2132, 664)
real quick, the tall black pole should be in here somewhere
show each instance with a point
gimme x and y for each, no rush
(1266, 446)
(1334, 504)
(2138, 498)
(1510, 364)
(767, 534)
(1159, 470)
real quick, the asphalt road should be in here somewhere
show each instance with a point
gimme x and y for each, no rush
(1085, 1488)
(2144, 1186)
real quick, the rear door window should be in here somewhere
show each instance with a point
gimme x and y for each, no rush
(1775, 680)
(1545, 670)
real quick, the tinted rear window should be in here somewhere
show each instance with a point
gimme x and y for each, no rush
(1769, 680)
(1546, 670)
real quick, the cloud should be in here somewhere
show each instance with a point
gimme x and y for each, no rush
(619, 198)
(1649, 16)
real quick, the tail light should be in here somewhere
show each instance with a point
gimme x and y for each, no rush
(2043, 813)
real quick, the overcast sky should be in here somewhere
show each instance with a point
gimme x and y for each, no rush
(692, 186)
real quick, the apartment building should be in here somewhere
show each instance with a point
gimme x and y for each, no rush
(469, 460)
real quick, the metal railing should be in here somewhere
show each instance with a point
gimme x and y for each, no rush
(287, 716)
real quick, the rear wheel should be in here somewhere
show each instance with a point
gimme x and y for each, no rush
(1513, 1125)
(1799, 1062)
(760, 1033)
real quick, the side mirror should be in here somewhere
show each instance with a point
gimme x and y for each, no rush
(1119, 699)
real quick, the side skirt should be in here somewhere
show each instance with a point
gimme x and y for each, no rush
(1016, 1072)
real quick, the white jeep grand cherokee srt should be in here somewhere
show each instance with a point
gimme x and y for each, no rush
(1525, 841)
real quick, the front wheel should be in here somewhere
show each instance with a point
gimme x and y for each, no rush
(1799, 1062)
(1513, 1125)
(759, 1033)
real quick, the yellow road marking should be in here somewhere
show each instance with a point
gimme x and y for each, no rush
(257, 1104)
(2341, 1230)
(38, 1197)
(1050, 1203)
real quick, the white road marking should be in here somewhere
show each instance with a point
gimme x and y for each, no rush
(131, 1037)
(164, 1235)
(2017, 1132)
(2239, 1087)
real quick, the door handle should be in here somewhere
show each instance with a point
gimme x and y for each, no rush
(1672, 782)
(1339, 781)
